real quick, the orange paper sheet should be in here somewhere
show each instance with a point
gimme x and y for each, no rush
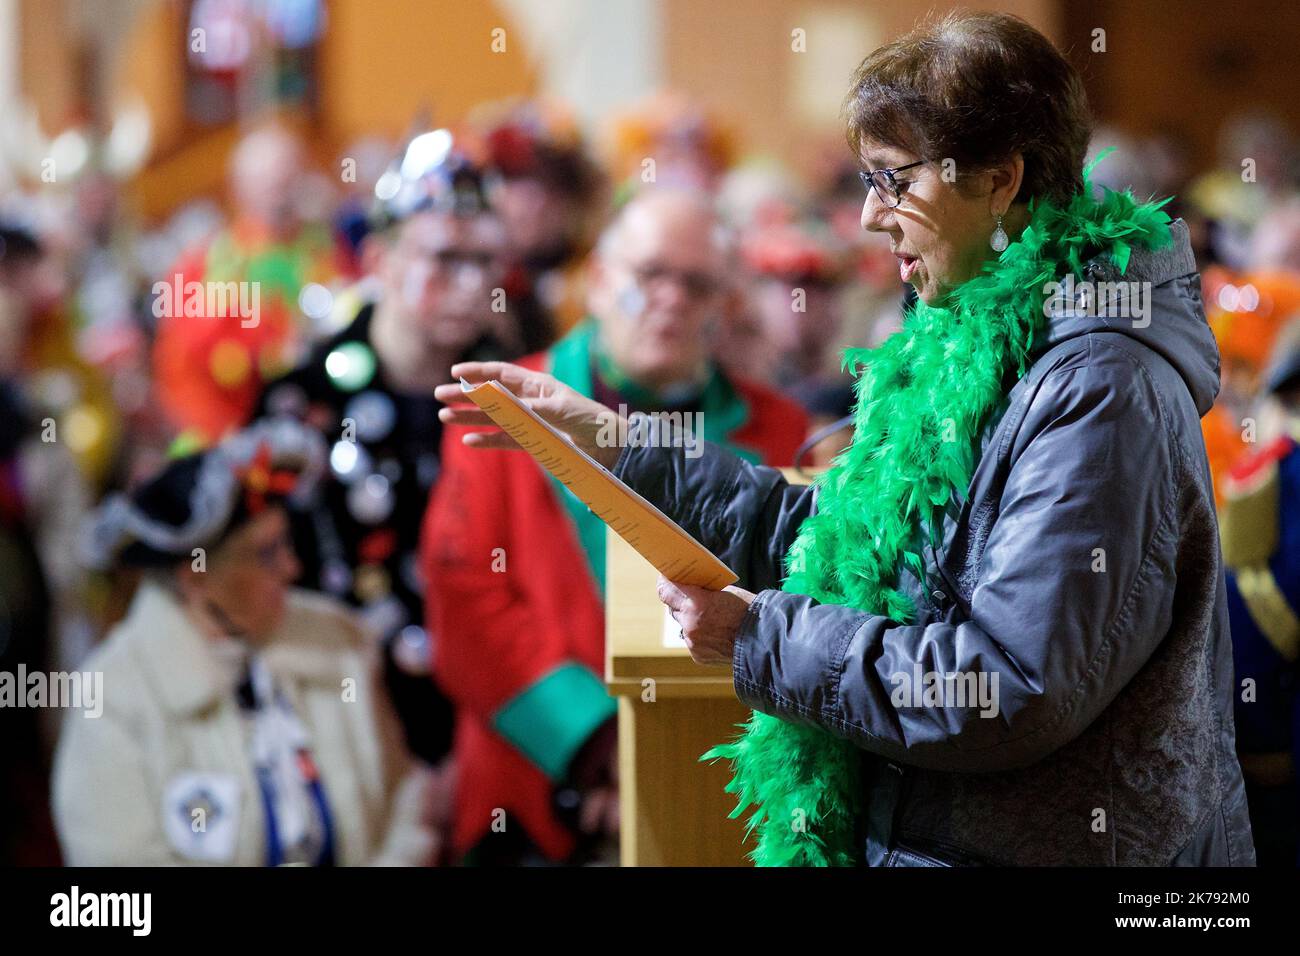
(654, 535)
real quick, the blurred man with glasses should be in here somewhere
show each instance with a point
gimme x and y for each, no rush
(516, 564)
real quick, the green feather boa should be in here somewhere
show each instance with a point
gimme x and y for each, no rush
(939, 378)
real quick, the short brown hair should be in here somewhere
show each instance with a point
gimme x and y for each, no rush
(976, 88)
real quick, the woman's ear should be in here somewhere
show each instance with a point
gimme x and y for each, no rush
(1006, 178)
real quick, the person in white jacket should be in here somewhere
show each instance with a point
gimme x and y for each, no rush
(240, 724)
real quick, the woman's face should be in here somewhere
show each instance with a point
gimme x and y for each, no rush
(939, 232)
(246, 579)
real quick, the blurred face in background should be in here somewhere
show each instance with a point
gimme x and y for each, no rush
(1275, 243)
(438, 273)
(540, 222)
(658, 287)
(96, 207)
(30, 285)
(777, 301)
(37, 283)
(247, 577)
(14, 321)
(266, 171)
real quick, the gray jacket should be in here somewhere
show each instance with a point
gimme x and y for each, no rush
(1081, 570)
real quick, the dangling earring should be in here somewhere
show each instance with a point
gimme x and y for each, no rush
(999, 239)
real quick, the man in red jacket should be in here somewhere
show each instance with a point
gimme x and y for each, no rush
(515, 565)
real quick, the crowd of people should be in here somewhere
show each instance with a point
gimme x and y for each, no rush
(328, 632)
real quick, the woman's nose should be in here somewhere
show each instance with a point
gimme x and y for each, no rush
(875, 214)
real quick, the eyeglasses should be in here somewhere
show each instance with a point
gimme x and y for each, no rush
(697, 285)
(883, 182)
(466, 268)
(450, 261)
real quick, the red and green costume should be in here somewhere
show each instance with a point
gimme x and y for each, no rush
(514, 567)
(210, 369)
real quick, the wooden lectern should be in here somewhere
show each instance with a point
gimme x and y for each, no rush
(670, 710)
(673, 809)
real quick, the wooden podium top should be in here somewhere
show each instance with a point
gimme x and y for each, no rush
(634, 634)
(635, 648)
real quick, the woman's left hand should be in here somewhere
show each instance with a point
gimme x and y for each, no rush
(710, 620)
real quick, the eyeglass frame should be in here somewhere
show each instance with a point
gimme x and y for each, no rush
(698, 285)
(868, 179)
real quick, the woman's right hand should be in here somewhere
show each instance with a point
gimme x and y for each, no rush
(584, 420)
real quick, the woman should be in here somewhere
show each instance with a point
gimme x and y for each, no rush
(1025, 511)
(238, 725)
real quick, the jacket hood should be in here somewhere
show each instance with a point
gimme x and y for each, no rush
(1163, 311)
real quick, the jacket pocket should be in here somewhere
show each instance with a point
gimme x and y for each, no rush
(906, 856)
(916, 851)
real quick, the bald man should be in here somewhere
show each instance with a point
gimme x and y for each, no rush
(265, 176)
(515, 564)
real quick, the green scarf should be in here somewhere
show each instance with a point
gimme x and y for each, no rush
(939, 378)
